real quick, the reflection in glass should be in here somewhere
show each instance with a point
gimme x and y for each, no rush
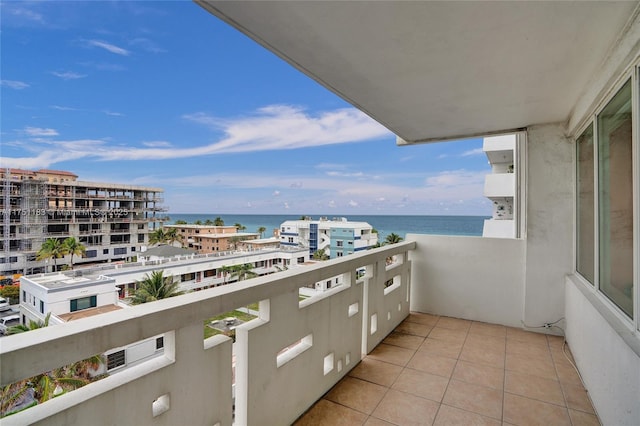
(585, 229)
(615, 191)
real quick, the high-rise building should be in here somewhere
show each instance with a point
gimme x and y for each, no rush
(111, 220)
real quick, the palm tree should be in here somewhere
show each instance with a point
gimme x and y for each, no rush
(261, 231)
(226, 271)
(157, 237)
(172, 236)
(393, 238)
(33, 325)
(51, 249)
(235, 240)
(49, 384)
(218, 221)
(73, 247)
(197, 222)
(240, 227)
(180, 222)
(208, 222)
(155, 287)
(243, 271)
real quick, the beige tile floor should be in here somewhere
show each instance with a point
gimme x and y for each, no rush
(446, 371)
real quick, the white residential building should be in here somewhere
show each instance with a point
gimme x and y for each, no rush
(337, 237)
(501, 186)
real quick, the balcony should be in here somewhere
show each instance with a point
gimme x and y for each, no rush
(296, 351)
(449, 371)
(499, 185)
(325, 335)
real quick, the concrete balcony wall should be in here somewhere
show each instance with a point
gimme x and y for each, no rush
(480, 279)
(606, 351)
(500, 185)
(191, 383)
(505, 228)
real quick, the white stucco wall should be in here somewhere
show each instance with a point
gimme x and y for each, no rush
(549, 223)
(609, 366)
(475, 278)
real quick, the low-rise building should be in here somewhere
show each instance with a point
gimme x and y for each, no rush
(337, 237)
(211, 238)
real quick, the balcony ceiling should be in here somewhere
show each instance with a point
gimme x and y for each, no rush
(441, 70)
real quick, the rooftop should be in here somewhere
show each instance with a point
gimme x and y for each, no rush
(85, 313)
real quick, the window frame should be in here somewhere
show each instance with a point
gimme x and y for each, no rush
(591, 119)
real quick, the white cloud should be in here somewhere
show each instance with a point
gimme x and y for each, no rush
(276, 193)
(108, 47)
(274, 127)
(332, 166)
(157, 144)
(332, 203)
(343, 174)
(353, 203)
(146, 44)
(14, 84)
(286, 205)
(114, 114)
(477, 151)
(25, 13)
(456, 178)
(38, 131)
(62, 108)
(68, 75)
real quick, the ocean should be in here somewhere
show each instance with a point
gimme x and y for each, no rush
(385, 225)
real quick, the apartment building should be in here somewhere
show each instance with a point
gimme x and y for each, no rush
(83, 292)
(111, 220)
(210, 238)
(501, 186)
(337, 237)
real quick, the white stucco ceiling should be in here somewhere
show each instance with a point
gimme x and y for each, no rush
(441, 70)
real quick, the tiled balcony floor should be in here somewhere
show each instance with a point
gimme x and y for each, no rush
(448, 371)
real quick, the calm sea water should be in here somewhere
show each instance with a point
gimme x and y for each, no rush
(401, 225)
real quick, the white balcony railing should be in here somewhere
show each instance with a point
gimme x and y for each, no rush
(285, 359)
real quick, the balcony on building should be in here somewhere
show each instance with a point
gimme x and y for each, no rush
(428, 71)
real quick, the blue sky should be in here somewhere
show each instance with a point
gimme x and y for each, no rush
(164, 94)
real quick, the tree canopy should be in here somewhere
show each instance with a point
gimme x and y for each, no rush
(393, 238)
(52, 248)
(73, 247)
(155, 287)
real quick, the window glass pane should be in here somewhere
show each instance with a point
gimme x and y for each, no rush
(585, 230)
(615, 191)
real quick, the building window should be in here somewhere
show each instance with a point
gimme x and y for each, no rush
(105, 251)
(585, 232)
(340, 243)
(120, 250)
(41, 307)
(91, 253)
(339, 254)
(615, 200)
(116, 359)
(83, 303)
(159, 343)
